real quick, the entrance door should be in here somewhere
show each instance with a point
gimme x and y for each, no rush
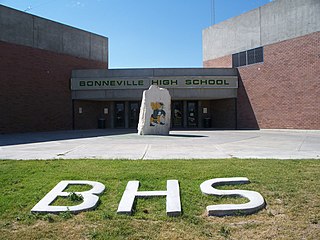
(119, 115)
(192, 114)
(177, 114)
(134, 114)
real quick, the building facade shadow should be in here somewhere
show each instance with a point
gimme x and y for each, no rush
(246, 118)
(37, 137)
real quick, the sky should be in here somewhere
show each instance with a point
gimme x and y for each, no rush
(142, 33)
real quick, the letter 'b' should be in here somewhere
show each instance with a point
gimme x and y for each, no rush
(90, 200)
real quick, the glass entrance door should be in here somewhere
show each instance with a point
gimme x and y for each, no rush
(134, 114)
(119, 115)
(177, 114)
(192, 114)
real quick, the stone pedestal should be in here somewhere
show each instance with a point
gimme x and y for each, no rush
(155, 112)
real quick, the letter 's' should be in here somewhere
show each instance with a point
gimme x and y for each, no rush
(256, 201)
(173, 205)
(90, 200)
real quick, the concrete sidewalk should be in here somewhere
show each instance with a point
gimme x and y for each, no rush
(121, 144)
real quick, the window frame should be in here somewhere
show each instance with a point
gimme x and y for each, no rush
(248, 57)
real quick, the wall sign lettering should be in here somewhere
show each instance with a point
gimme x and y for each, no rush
(146, 82)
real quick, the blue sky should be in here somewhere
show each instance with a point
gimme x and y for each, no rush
(142, 33)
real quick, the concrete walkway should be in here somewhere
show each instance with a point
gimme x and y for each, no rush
(121, 144)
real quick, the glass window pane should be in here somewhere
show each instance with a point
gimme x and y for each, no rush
(119, 115)
(192, 114)
(258, 52)
(134, 114)
(250, 56)
(235, 62)
(177, 113)
(243, 58)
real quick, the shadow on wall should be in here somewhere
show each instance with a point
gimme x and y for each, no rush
(245, 115)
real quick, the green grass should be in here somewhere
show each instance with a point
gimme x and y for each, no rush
(290, 188)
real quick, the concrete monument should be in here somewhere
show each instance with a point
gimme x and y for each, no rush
(155, 112)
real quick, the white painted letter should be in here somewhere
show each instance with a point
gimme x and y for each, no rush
(256, 201)
(90, 200)
(173, 207)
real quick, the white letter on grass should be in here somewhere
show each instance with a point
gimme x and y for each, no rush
(90, 200)
(173, 207)
(256, 201)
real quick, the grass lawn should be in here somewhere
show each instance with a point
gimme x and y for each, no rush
(290, 188)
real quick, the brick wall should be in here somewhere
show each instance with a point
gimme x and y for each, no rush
(92, 111)
(222, 113)
(222, 62)
(34, 88)
(283, 91)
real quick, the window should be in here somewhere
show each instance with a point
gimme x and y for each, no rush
(247, 57)
(243, 58)
(235, 60)
(250, 55)
(258, 53)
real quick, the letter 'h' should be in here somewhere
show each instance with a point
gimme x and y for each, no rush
(173, 204)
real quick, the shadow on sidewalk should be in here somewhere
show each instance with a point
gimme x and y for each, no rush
(25, 138)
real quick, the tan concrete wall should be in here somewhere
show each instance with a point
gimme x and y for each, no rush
(274, 22)
(28, 30)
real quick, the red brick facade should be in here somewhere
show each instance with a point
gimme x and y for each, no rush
(222, 113)
(92, 111)
(283, 91)
(223, 62)
(35, 88)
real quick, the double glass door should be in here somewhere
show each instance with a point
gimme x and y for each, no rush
(126, 114)
(184, 114)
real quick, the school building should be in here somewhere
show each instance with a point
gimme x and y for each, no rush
(261, 70)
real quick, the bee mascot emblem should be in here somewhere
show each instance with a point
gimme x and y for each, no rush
(158, 115)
